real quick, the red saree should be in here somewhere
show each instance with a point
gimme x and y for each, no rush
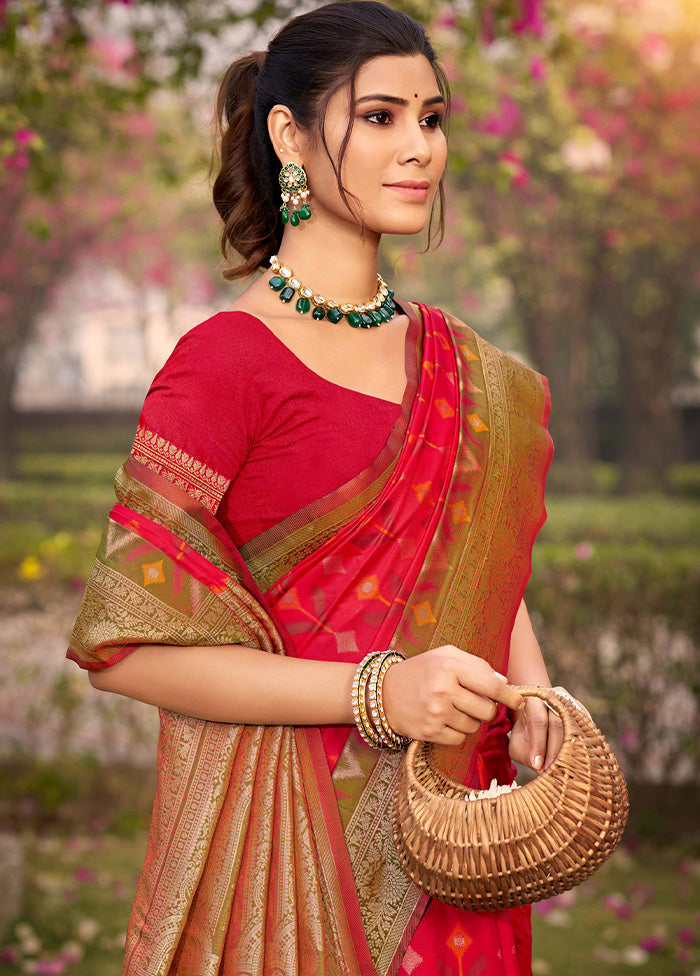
(270, 848)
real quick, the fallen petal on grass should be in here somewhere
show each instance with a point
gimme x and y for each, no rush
(634, 956)
(606, 954)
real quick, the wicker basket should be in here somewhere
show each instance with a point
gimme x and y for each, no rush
(534, 842)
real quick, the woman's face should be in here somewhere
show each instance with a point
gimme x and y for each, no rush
(397, 150)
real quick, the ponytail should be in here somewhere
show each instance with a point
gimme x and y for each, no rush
(244, 188)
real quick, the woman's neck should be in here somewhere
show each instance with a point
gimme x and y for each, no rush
(332, 259)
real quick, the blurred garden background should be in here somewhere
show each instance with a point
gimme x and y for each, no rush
(572, 241)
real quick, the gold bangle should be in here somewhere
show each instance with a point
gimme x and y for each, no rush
(380, 662)
(359, 706)
(379, 669)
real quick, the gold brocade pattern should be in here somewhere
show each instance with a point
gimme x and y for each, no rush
(271, 563)
(167, 459)
(388, 897)
(242, 874)
(497, 492)
(239, 876)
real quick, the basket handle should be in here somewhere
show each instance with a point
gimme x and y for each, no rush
(573, 715)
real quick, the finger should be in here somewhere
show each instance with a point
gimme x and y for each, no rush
(537, 722)
(449, 737)
(460, 722)
(555, 738)
(475, 675)
(478, 707)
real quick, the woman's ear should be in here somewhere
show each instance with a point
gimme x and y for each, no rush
(285, 134)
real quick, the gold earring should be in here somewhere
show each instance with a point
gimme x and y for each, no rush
(293, 184)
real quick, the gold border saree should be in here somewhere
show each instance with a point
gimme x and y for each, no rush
(270, 848)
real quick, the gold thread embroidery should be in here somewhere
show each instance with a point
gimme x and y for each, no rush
(167, 459)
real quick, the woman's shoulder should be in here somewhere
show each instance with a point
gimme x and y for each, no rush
(204, 402)
(231, 335)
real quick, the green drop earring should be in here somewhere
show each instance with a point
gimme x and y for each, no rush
(295, 191)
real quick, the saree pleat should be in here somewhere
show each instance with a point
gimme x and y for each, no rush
(270, 850)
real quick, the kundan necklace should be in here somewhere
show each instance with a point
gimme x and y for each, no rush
(377, 310)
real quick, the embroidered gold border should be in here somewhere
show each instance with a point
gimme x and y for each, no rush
(187, 472)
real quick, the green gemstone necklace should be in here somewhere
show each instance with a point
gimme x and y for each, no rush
(364, 316)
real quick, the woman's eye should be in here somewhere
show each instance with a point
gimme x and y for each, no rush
(433, 121)
(381, 117)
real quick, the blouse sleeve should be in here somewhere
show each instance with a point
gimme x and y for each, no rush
(199, 416)
(195, 428)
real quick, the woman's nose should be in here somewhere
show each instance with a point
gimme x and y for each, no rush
(416, 146)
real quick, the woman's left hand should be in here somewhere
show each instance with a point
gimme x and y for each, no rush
(537, 734)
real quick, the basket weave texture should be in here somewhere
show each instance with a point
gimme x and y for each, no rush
(534, 842)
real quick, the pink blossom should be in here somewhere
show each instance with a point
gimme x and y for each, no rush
(470, 301)
(583, 550)
(71, 953)
(678, 100)
(683, 955)
(686, 936)
(84, 875)
(113, 53)
(139, 124)
(24, 136)
(641, 894)
(457, 105)
(538, 69)
(11, 955)
(614, 902)
(446, 20)
(488, 26)
(503, 122)
(50, 967)
(530, 20)
(519, 175)
(18, 161)
(629, 739)
(656, 51)
(544, 907)
(634, 166)
(651, 943)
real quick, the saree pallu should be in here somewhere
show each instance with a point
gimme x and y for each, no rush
(270, 849)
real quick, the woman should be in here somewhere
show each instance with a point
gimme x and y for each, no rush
(301, 493)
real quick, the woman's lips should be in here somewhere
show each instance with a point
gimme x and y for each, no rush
(415, 192)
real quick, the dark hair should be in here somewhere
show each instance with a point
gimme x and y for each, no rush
(307, 61)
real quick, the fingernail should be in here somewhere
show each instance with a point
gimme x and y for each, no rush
(499, 675)
(537, 762)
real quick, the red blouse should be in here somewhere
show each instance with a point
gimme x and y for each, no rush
(235, 397)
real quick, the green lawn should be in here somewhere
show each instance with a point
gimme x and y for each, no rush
(51, 519)
(640, 911)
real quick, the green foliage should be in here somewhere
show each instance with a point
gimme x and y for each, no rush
(72, 792)
(614, 597)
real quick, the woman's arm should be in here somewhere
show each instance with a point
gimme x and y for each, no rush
(429, 693)
(525, 665)
(537, 732)
(232, 683)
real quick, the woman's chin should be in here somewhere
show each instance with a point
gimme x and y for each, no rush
(403, 225)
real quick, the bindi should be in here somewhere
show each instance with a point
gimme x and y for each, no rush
(415, 94)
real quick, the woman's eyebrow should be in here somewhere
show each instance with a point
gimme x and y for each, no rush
(435, 100)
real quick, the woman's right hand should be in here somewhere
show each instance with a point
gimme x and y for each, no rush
(444, 694)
